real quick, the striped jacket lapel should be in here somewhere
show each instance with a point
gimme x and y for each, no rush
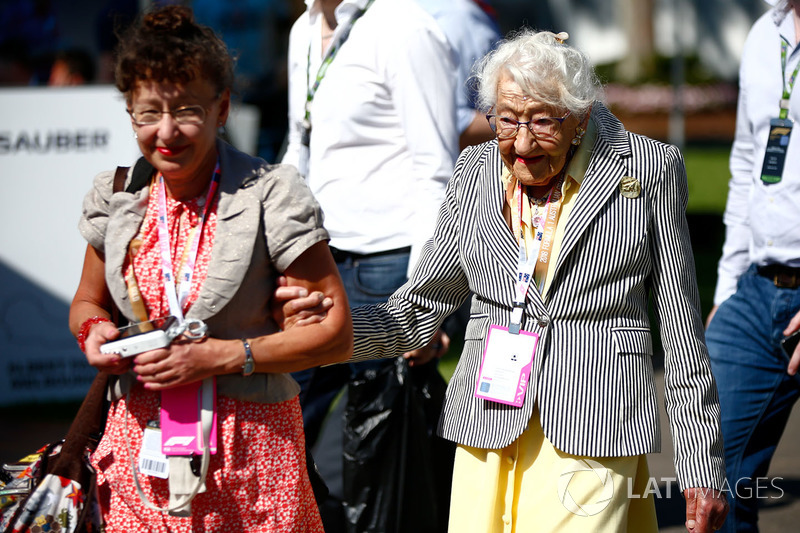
(494, 232)
(610, 162)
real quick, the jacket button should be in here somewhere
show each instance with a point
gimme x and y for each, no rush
(544, 321)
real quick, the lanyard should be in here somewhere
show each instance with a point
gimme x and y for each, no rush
(137, 303)
(532, 263)
(177, 298)
(323, 68)
(787, 90)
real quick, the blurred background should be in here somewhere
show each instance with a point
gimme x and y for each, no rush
(670, 68)
(657, 56)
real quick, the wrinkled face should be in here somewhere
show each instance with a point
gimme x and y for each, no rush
(181, 151)
(534, 162)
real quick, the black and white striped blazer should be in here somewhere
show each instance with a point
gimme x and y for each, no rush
(593, 371)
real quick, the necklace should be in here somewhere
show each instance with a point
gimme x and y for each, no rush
(536, 204)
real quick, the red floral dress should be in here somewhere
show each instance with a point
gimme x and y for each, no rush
(257, 481)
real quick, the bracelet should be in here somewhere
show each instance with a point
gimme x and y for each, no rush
(85, 327)
(249, 365)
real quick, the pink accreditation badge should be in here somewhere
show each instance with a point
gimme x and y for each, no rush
(506, 366)
(181, 425)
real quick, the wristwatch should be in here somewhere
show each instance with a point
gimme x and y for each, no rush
(249, 365)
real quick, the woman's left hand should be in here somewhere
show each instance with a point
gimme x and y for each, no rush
(706, 509)
(186, 361)
(435, 349)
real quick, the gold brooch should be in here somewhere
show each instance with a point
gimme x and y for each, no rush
(630, 187)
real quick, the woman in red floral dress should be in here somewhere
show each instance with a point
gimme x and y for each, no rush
(201, 231)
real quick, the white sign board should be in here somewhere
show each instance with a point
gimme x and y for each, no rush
(53, 141)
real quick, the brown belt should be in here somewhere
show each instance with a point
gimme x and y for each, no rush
(783, 277)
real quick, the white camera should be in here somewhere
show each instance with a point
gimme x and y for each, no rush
(144, 336)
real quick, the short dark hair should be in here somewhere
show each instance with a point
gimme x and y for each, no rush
(78, 61)
(168, 45)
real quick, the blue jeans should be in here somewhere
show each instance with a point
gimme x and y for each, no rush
(367, 281)
(756, 394)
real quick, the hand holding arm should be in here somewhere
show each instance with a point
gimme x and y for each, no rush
(294, 306)
(319, 342)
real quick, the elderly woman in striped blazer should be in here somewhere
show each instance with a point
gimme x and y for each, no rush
(561, 228)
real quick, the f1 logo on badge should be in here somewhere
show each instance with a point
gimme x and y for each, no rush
(179, 441)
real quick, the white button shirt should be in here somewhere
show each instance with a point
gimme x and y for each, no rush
(384, 136)
(472, 34)
(762, 221)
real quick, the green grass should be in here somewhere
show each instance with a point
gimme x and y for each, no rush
(707, 172)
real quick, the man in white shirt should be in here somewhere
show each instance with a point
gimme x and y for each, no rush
(758, 288)
(377, 144)
(471, 28)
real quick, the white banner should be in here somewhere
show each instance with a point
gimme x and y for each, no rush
(53, 141)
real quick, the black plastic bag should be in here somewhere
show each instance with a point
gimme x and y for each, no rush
(397, 471)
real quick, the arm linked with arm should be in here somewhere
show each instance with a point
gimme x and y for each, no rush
(325, 342)
(438, 286)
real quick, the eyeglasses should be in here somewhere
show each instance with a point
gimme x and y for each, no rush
(186, 115)
(544, 128)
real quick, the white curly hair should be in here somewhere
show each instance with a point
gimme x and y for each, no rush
(544, 67)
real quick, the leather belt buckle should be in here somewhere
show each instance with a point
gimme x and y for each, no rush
(783, 280)
(783, 277)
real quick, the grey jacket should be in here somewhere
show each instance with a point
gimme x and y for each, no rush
(266, 218)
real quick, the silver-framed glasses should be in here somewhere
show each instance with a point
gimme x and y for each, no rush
(542, 128)
(193, 115)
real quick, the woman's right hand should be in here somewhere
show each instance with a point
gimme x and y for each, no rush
(100, 334)
(294, 306)
(92, 299)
